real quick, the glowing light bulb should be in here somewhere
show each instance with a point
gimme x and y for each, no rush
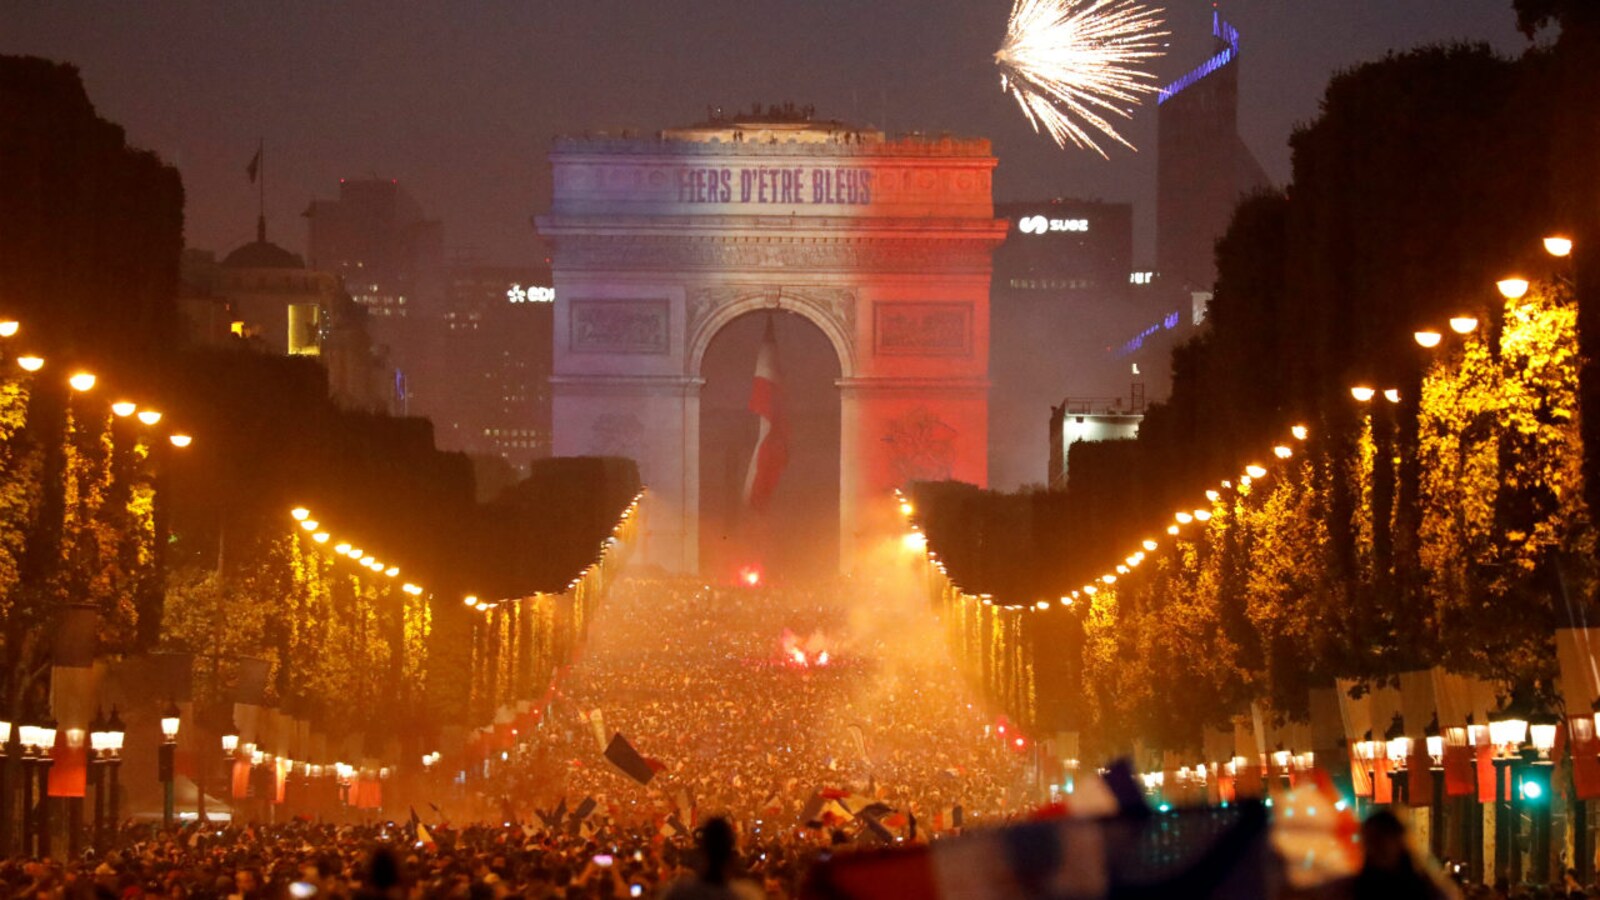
(82, 381)
(123, 409)
(1464, 324)
(1512, 288)
(392, 571)
(470, 600)
(1255, 471)
(1392, 395)
(1553, 245)
(149, 416)
(9, 328)
(1183, 518)
(341, 548)
(1108, 578)
(1428, 339)
(1300, 432)
(1149, 545)
(320, 537)
(30, 363)
(309, 524)
(1172, 529)
(181, 440)
(1213, 496)
(1362, 393)
(300, 513)
(1202, 515)
(1282, 452)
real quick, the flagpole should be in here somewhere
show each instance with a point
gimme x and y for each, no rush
(261, 190)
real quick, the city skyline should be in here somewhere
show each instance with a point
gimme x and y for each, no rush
(460, 108)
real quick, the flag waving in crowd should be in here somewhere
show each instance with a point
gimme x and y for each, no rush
(771, 455)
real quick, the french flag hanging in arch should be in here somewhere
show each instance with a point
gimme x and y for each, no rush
(771, 455)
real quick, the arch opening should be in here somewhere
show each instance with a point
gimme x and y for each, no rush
(796, 538)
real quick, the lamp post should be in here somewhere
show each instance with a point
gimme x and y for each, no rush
(1399, 753)
(1536, 788)
(1507, 735)
(6, 757)
(44, 741)
(98, 754)
(1436, 827)
(116, 733)
(171, 719)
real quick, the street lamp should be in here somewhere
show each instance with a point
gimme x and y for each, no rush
(1555, 245)
(1512, 288)
(1391, 394)
(30, 363)
(99, 748)
(115, 733)
(40, 740)
(1362, 393)
(181, 440)
(82, 381)
(149, 416)
(5, 786)
(1463, 324)
(123, 408)
(1428, 339)
(9, 328)
(171, 720)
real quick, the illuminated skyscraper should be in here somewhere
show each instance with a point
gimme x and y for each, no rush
(391, 260)
(495, 351)
(1204, 166)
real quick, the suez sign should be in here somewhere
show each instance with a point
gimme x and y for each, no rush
(530, 294)
(1044, 225)
(790, 185)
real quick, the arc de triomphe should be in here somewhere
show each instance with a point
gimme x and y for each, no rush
(884, 245)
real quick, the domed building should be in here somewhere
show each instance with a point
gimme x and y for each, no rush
(278, 305)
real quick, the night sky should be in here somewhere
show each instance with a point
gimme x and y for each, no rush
(459, 100)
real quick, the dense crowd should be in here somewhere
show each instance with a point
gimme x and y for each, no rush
(796, 723)
(763, 704)
(301, 861)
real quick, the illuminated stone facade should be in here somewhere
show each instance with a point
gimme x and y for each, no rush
(884, 245)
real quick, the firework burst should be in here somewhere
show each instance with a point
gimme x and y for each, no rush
(1072, 63)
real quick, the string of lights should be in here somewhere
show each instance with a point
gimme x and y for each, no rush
(83, 382)
(1513, 287)
(351, 552)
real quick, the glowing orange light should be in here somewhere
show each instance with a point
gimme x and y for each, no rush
(181, 440)
(1464, 324)
(1512, 288)
(1428, 339)
(1555, 245)
(30, 363)
(123, 409)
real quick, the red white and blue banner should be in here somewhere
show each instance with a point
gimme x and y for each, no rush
(771, 455)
